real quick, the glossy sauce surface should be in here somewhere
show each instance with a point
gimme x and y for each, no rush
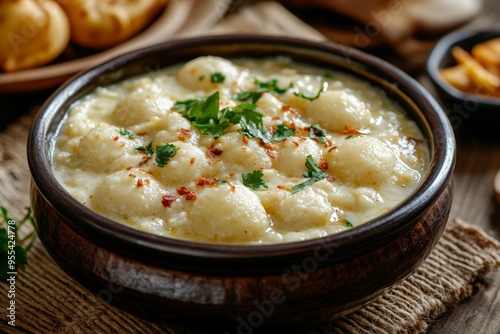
(241, 151)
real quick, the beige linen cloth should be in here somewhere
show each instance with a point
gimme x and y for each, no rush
(48, 301)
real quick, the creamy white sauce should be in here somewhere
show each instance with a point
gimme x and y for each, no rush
(373, 155)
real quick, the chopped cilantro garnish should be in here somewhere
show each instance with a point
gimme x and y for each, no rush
(328, 75)
(11, 243)
(254, 180)
(253, 130)
(201, 78)
(148, 150)
(217, 77)
(221, 181)
(253, 96)
(245, 96)
(318, 132)
(164, 153)
(351, 136)
(125, 132)
(204, 114)
(312, 97)
(245, 110)
(282, 132)
(314, 174)
(270, 86)
(348, 223)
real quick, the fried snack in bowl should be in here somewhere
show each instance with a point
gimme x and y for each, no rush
(32, 33)
(102, 24)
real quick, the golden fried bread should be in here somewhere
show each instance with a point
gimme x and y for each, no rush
(32, 33)
(99, 24)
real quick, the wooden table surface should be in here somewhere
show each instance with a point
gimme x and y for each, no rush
(477, 162)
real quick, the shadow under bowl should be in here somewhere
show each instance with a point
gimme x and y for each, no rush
(198, 287)
(476, 114)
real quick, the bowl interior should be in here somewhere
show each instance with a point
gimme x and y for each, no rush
(418, 103)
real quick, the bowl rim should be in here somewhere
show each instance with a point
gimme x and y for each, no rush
(443, 48)
(437, 179)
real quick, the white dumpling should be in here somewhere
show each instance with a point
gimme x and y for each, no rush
(104, 149)
(363, 161)
(187, 165)
(308, 208)
(242, 155)
(144, 102)
(291, 157)
(227, 213)
(333, 110)
(173, 127)
(128, 194)
(196, 74)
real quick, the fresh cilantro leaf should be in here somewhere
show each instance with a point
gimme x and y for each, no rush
(314, 174)
(282, 132)
(125, 132)
(312, 97)
(328, 75)
(148, 150)
(217, 77)
(254, 180)
(245, 96)
(254, 96)
(318, 132)
(182, 105)
(164, 153)
(270, 86)
(351, 136)
(348, 223)
(201, 78)
(212, 128)
(245, 110)
(221, 181)
(252, 130)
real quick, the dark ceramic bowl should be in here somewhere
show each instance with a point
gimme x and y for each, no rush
(472, 112)
(195, 286)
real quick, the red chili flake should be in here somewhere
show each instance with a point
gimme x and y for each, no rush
(349, 130)
(332, 148)
(269, 148)
(192, 160)
(231, 186)
(132, 175)
(323, 164)
(295, 143)
(295, 112)
(285, 107)
(189, 194)
(216, 151)
(204, 182)
(147, 182)
(115, 138)
(142, 133)
(145, 159)
(167, 200)
(275, 118)
(245, 139)
(185, 132)
(147, 171)
(283, 187)
(139, 183)
(129, 168)
(330, 179)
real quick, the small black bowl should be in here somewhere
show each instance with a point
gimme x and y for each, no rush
(474, 113)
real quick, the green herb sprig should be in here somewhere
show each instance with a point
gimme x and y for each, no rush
(314, 174)
(13, 248)
(254, 180)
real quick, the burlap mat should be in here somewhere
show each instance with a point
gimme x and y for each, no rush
(48, 301)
